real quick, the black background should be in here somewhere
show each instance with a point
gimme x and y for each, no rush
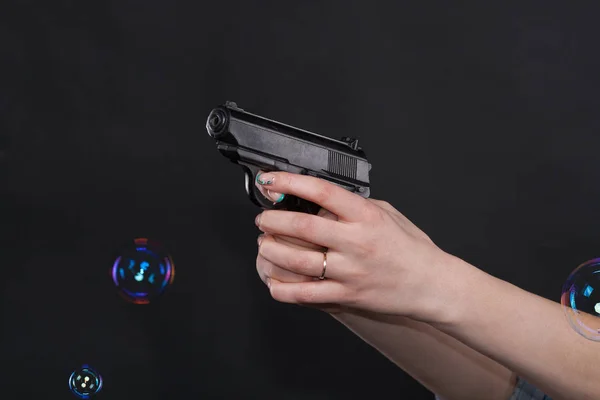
(480, 121)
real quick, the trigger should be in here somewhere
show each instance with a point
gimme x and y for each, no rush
(248, 181)
(253, 192)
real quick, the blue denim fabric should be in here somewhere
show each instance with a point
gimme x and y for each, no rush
(523, 391)
(526, 391)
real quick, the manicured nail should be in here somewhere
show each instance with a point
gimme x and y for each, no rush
(268, 282)
(260, 239)
(257, 219)
(276, 197)
(265, 179)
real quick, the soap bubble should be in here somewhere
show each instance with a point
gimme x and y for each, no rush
(85, 382)
(581, 299)
(142, 271)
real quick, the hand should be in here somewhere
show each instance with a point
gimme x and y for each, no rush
(269, 272)
(377, 260)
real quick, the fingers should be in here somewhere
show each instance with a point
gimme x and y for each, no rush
(323, 213)
(315, 292)
(346, 205)
(297, 243)
(300, 261)
(271, 273)
(267, 270)
(306, 227)
(275, 197)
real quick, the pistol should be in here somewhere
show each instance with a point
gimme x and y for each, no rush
(257, 143)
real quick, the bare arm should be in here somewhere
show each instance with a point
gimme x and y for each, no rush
(525, 332)
(493, 328)
(439, 362)
(386, 265)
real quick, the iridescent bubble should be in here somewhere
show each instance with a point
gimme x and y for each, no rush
(142, 271)
(85, 382)
(581, 299)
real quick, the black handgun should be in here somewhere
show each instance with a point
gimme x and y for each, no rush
(257, 143)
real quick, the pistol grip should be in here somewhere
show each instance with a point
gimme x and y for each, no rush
(290, 203)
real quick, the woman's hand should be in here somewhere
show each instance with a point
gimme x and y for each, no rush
(377, 260)
(270, 272)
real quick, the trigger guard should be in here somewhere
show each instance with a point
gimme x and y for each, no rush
(254, 193)
(290, 203)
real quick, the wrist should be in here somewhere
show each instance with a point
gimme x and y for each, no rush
(455, 281)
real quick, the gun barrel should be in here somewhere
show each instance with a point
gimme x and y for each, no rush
(220, 118)
(216, 122)
(269, 144)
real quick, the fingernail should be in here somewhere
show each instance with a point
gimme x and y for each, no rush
(260, 239)
(268, 282)
(265, 179)
(276, 197)
(257, 219)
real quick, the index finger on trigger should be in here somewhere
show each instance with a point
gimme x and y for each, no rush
(269, 194)
(337, 200)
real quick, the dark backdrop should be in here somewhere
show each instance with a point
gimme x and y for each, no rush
(480, 122)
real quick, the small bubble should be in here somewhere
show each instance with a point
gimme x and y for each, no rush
(78, 382)
(580, 299)
(142, 270)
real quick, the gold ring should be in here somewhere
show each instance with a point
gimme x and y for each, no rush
(324, 265)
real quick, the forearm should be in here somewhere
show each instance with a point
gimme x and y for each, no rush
(524, 332)
(441, 363)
